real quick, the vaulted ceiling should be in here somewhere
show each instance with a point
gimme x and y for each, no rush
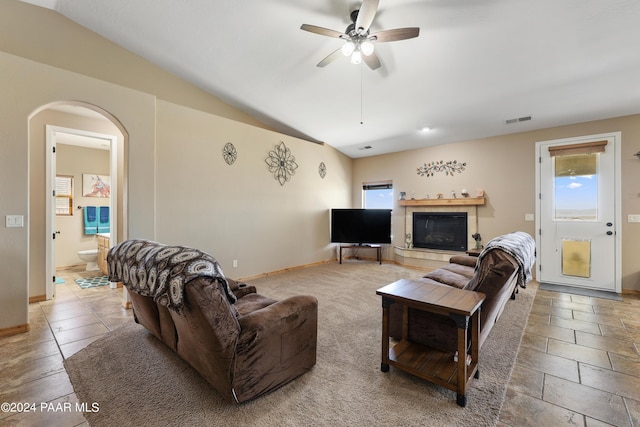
(476, 64)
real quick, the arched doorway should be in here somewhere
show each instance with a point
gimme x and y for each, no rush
(47, 124)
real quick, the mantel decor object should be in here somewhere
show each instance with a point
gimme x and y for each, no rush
(478, 239)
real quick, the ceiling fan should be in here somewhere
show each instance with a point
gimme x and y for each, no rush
(359, 43)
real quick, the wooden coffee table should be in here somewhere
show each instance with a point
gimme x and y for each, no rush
(422, 361)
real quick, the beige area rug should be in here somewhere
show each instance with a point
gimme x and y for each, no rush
(138, 381)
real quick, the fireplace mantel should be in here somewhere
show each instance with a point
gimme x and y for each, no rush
(466, 201)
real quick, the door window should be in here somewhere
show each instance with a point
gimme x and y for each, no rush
(576, 187)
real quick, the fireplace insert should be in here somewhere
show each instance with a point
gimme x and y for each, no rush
(440, 230)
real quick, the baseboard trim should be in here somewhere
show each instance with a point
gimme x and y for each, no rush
(284, 270)
(37, 298)
(329, 261)
(15, 330)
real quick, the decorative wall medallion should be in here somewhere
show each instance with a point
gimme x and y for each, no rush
(449, 168)
(281, 163)
(229, 153)
(322, 170)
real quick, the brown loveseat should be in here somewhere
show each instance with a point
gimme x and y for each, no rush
(503, 265)
(244, 344)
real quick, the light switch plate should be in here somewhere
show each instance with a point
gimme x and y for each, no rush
(14, 221)
(633, 218)
(529, 217)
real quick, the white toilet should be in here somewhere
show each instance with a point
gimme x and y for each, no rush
(90, 256)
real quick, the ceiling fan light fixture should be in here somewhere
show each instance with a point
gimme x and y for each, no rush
(348, 48)
(356, 57)
(357, 37)
(366, 47)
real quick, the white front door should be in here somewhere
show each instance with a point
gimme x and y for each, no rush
(579, 212)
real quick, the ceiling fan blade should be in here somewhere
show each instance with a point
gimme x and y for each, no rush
(395, 35)
(372, 61)
(330, 58)
(322, 31)
(365, 15)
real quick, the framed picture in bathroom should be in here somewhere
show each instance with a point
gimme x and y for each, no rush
(94, 185)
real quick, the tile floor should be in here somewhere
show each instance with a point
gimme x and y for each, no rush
(579, 362)
(578, 365)
(31, 368)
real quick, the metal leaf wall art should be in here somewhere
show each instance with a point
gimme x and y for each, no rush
(449, 168)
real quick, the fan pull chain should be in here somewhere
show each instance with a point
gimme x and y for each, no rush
(361, 121)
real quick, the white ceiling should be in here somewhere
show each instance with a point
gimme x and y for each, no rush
(476, 63)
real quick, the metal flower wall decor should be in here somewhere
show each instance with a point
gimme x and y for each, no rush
(229, 153)
(449, 168)
(322, 170)
(281, 163)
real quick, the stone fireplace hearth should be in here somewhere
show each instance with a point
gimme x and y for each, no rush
(434, 258)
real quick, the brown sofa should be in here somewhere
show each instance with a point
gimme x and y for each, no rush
(503, 265)
(244, 344)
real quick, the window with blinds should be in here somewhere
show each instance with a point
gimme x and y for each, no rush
(64, 195)
(377, 195)
(576, 187)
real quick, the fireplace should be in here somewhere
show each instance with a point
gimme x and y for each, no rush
(440, 230)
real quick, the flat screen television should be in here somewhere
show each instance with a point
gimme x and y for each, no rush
(361, 226)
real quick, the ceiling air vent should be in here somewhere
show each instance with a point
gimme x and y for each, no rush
(366, 147)
(518, 120)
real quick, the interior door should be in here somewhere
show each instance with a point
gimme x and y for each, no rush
(50, 222)
(578, 211)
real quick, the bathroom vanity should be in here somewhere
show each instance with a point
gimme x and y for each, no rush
(103, 249)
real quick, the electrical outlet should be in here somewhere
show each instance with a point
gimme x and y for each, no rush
(235, 263)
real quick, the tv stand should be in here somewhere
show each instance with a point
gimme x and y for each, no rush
(378, 249)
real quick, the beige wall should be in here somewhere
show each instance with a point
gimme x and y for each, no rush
(239, 211)
(505, 168)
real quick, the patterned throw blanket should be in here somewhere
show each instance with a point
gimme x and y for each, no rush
(161, 272)
(521, 247)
